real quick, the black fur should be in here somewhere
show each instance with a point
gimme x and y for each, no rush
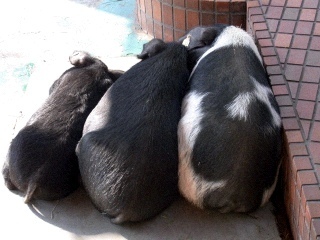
(128, 158)
(41, 161)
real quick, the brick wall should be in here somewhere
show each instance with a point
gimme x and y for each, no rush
(170, 19)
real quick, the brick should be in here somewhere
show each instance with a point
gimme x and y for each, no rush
(298, 149)
(168, 1)
(222, 6)
(290, 123)
(293, 86)
(280, 90)
(313, 209)
(308, 14)
(273, 70)
(306, 229)
(179, 19)
(167, 34)
(239, 20)
(268, 51)
(311, 74)
(291, 13)
(156, 11)
(315, 135)
(284, 100)
(191, 4)
(294, 136)
(262, 34)
(209, 6)
(315, 229)
(257, 18)
(317, 169)
(278, 2)
(308, 91)
(286, 26)
(270, 61)
(313, 58)
(300, 41)
(315, 43)
(302, 163)
(305, 126)
(178, 34)
(317, 29)
(315, 151)
(297, 207)
(178, 3)
(304, 28)
(301, 220)
(265, 42)
(310, 3)
(158, 33)
(287, 112)
(167, 15)
(260, 26)
(317, 115)
(306, 177)
(277, 79)
(296, 56)
(273, 25)
(294, 3)
(311, 192)
(265, 2)
(264, 9)
(283, 40)
(305, 109)
(150, 26)
(148, 6)
(192, 19)
(207, 18)
(282, 53)
(238, 7)
(223, 18)
(274, 12)
(254, 10)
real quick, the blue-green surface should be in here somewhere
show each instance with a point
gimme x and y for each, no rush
(105, 28)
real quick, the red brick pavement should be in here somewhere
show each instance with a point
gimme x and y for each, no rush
(290, 46)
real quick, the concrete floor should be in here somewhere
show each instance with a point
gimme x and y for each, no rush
(36, 39)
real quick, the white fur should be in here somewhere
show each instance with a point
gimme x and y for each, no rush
(186, 41)
(231, 36)
(239, 106)
(192, 187)
(263, 93)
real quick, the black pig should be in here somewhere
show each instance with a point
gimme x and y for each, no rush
(128, 156)
(41, 161)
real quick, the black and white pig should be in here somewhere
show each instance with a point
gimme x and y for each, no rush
(230, 132)
(128, 156)
(41, 161)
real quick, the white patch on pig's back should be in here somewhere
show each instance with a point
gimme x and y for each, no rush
(191, 186)
(231, 37)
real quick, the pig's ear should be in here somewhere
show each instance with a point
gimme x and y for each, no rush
(152, 48)
(145, 52)
(143, 55)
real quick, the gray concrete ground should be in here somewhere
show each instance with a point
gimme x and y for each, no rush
(36, 38)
